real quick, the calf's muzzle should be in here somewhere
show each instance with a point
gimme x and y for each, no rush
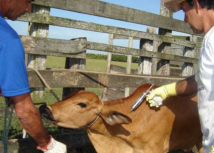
(45, 112)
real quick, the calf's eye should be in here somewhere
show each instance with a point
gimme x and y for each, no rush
(83, 105)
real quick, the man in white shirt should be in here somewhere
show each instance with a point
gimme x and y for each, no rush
(200, 15)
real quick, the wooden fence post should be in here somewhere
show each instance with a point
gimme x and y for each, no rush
(145, 64)
(162, 67)
(129, 63)
(109, 56)
(35, 61)
(75, 64)
(38, 61)
(189, 69)
(194, 39)
(108, 69)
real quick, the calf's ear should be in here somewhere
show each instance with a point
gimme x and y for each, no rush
(113, 118)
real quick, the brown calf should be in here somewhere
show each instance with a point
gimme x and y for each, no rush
(113, 129)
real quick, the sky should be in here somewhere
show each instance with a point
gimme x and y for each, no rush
(152, 6)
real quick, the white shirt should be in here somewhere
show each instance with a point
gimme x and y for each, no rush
(205, 80)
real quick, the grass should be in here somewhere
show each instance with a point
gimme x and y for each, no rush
(58, 63)
(100, 65)
(91, 64)
(55, 62)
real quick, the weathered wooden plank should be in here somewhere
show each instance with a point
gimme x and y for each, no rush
(103, 9)
(37, 61)
(109, 56)
(159, 38)
(70, 48)
(145, 64)
(122, 69)
(75, 64)
(129, 57)
(159, 66)
(119, 32)
(128, 66)
(137, 52)
(53, 47)
(188, 69)
(71, 78)
(175, 71)
(108, 68)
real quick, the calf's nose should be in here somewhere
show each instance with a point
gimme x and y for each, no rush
(45, 112)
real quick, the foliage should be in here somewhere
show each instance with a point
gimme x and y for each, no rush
(96, 56)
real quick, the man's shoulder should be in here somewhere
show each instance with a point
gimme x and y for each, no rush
(7, 33)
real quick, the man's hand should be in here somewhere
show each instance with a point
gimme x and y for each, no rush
(163, 92)
(53, 147)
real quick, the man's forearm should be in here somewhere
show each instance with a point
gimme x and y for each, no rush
(30, 119)
(187, 86)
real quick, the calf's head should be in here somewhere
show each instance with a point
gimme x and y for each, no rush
(81, 110)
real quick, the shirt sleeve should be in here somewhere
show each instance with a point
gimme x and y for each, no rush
(13, 74)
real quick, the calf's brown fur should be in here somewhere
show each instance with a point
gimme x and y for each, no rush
(173, 126)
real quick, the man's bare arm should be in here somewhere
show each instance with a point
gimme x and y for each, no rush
(183, 88)
(187, 86)
(30, 119)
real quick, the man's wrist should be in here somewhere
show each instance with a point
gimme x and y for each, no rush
(53, 147)
(45, 148)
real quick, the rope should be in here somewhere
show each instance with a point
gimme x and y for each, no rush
(7, 127)
(45, 83)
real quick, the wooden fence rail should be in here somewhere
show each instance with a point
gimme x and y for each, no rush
(117, 31)
(53, 47)
(112, 11)
(138, 52)
(73, 78)
(75, 49)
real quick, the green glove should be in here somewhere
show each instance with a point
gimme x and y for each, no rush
(163, 91)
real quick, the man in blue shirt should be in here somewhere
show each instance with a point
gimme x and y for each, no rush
(13, 77)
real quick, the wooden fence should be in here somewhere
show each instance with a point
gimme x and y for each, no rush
(155, 52)
(76, 49)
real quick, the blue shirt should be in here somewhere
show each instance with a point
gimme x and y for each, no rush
(13, 74)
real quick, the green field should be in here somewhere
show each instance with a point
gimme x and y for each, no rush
(91, 64)
(59, 63)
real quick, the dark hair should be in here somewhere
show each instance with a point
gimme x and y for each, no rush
(209, 4)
